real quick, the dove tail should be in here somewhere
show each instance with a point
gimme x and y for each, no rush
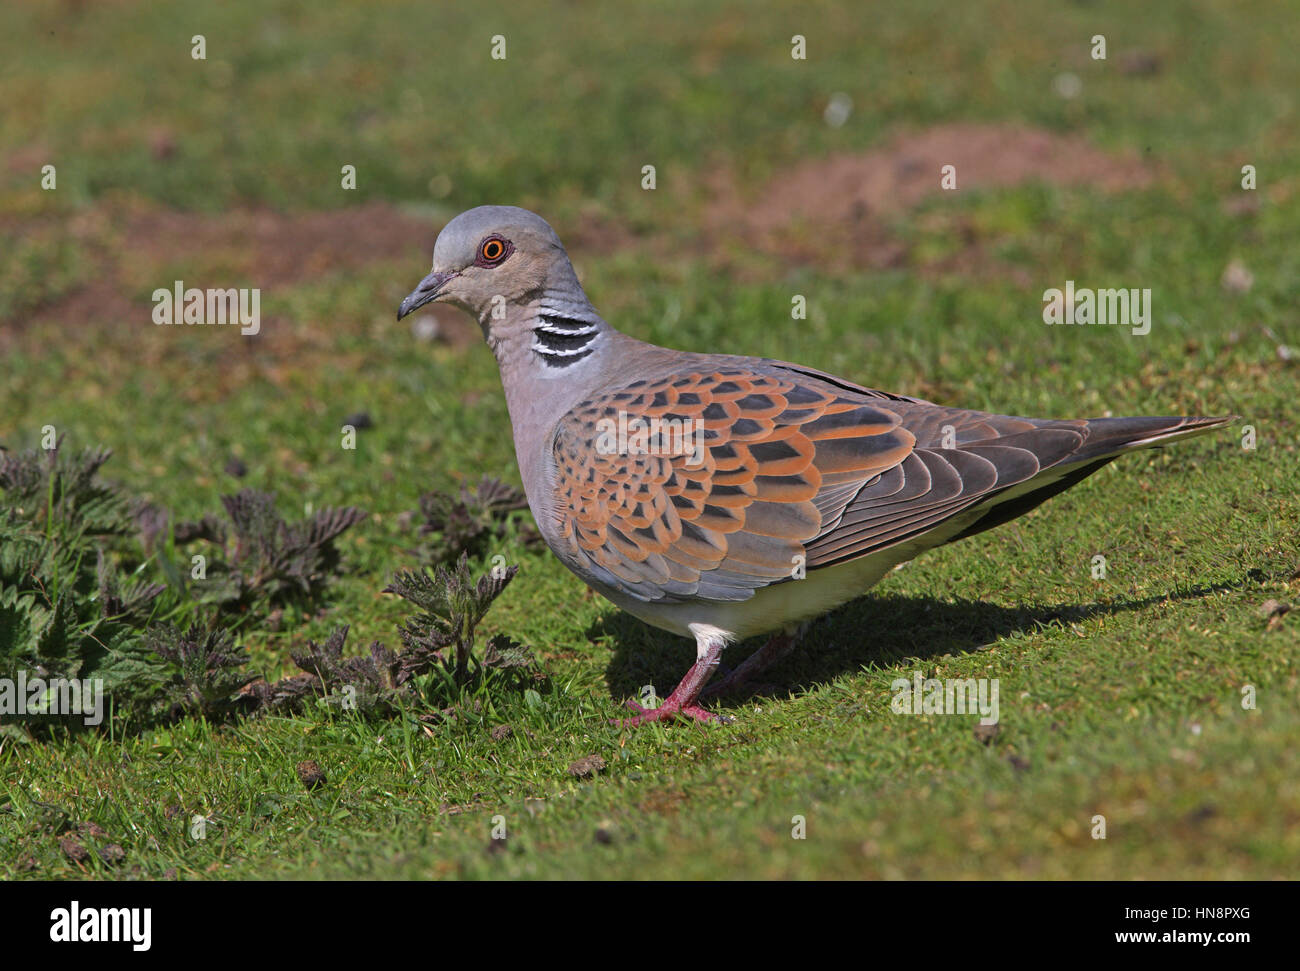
(1108, 437)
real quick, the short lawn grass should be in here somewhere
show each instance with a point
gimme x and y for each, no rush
(1158, 700)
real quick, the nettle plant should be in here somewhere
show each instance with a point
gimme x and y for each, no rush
(92, 587)
(74, 601)
(451, 606)
(198, 672)
(467, 523)
(437, 659)
(261, 561)
(438, 652)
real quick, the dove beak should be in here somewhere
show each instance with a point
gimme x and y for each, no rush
(430, 288)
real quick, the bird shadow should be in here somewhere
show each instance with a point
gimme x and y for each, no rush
(877, 630)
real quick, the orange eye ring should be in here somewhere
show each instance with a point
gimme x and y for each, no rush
(493, 250)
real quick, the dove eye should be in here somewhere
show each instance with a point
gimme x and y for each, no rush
(493, 251)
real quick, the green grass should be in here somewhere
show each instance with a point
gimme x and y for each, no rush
(1120, 697)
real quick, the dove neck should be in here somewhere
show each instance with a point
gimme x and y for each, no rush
(547, 336)
(554, 354)
(564, 329)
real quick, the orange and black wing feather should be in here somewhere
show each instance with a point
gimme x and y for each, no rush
(796, 467)
(661, 519)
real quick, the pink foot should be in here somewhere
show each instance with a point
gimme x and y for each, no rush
(683, 702)
(665, 712)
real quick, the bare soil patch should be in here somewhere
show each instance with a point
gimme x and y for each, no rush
(129, 248)
(813, 210)
(280, 249)
(253, 247)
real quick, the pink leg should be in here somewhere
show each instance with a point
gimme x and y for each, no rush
(777, 647)
(682, 702)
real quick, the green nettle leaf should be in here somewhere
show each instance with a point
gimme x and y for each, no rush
(204, 669)
(455, 525)
(19, 549)
(130, 599)
(452, 605)
(131, 670)
(504, 651)
(16, 629)
(264, 562)
(56, 643)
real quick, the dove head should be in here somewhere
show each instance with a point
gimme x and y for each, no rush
(493, 259)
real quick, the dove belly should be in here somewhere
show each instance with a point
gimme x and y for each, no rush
(772, 607)
(781, 605)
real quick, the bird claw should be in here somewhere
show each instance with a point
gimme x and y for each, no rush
(668, 711)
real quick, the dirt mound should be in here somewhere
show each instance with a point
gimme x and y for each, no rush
(848, 197)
